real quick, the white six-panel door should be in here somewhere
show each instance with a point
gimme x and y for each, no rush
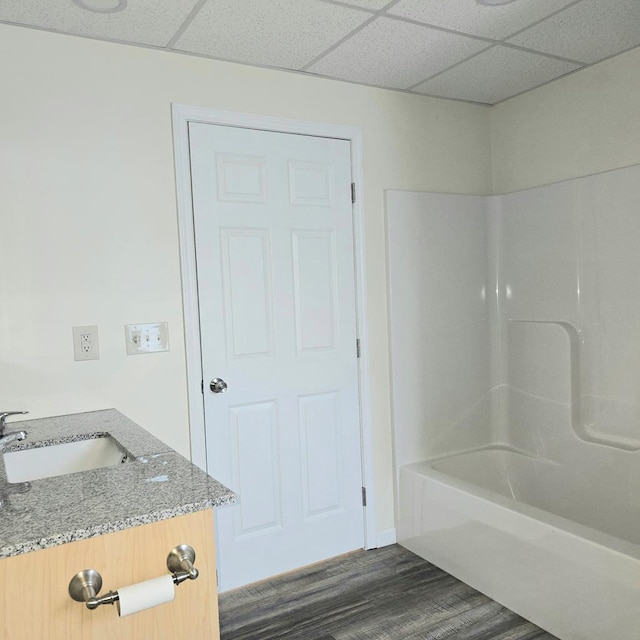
(274, 251)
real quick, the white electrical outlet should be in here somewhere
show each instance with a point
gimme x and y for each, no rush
(85, 343)
(146, 338)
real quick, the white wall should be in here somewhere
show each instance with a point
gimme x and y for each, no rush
(582, 124)
(439, 320)
(88, 215)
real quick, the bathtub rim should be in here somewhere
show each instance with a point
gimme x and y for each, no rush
(589, 534)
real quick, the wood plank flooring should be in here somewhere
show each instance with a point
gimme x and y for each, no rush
(383, 594)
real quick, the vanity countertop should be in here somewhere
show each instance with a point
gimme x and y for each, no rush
(157, 483)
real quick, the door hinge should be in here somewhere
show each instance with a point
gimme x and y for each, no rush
(202, 387)
(364, 496)
(217, 578)
(353, 192)
(358, 350)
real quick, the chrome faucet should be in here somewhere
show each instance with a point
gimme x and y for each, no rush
(13, 436)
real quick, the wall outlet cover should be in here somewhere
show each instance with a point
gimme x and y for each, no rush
(85, 343)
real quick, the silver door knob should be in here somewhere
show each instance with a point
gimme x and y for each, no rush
(218, 385)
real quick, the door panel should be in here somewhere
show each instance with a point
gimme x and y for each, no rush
(311, 183)
(315, 303)
(321, 459)
(246, 273)
(255, 454)
(276, 285)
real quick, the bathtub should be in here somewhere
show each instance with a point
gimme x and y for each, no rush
(497, 519)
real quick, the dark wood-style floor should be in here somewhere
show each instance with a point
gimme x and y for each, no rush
(383, 594)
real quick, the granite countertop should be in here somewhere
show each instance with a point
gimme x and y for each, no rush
(155, 483)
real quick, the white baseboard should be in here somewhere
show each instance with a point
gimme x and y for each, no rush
(386, 537)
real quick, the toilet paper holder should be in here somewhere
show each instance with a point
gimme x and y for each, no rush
(85, 585)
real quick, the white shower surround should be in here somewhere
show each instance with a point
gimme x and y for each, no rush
(515, 348)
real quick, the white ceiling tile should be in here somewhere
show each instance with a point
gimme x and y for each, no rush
(143, 21)
(279, 33)
(398, 49)
(395, 54)
(589, 31)
(467, 16)
(373, 5)
(494, 75)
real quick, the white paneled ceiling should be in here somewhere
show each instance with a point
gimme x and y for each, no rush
(459, 49)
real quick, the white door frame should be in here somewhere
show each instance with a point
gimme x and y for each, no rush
(181, 116)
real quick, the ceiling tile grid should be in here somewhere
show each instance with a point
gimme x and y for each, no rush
(589, 31)
(494, 75)
(277, 33)
(457, 49)
(468, 16)
(389, 53)
(145, 22)
(372, 5)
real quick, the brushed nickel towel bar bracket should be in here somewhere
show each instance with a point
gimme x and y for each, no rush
(85, 585)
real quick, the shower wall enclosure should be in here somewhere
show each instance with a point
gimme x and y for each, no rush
(515, 329)
(515, 319)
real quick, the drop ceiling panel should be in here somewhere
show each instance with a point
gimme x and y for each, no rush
(467, 16)
(279, 33)
(422, 46)
(142, 21)
(589, 31)
(373, 5)
(396, 54)
(494, 75)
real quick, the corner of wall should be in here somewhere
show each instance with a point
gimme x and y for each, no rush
(578, 125)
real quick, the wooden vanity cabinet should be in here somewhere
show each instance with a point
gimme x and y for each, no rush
(34, 599)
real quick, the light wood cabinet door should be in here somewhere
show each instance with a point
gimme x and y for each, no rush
(35, 604)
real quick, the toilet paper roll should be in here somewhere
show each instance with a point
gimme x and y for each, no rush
(145, 595)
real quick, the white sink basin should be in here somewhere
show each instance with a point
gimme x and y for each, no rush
(25, 465)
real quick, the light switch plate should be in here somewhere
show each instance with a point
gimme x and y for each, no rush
(146, 338)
